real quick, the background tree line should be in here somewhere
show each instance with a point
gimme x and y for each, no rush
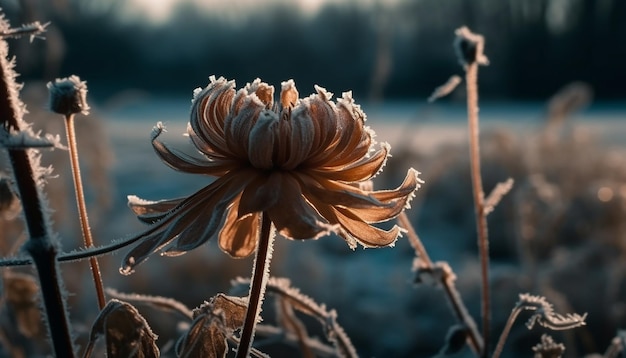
(380, 51)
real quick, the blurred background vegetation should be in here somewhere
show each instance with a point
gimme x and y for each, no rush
(380, 49)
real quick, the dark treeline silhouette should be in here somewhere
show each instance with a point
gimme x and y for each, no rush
(403, 51)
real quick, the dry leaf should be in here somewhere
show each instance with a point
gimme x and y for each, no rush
(126, 332)
(213, 322)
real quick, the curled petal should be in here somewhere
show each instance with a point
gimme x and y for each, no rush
(183, 162)
(262, 139)
(361, 170)
(411, 183)
(238, 126)
(293, 216)
(364, 233)
(339, 194)
(209, 110)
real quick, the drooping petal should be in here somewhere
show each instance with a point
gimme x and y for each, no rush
(211, 217)
(180, 161)
(361, 170)
(293, 216)
(336, 193)
(151, 211)
(239, 236)
(411, 183)
(364, 233)
(185, 215)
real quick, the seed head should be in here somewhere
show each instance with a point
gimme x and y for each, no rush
(469, 47)
(68, 96)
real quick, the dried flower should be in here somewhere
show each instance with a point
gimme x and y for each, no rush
(68, 96)
(469, 47)
(299, 162)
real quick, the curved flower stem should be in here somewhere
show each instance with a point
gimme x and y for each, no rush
(505, 332)
(474, 338)
(471, 79)
(82, 208)
(260, 275)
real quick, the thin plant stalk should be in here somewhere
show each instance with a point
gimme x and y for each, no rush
(41, 245)
(505, 332)
(471, 80)
(474, 339)
(260, 275)
(82, 208)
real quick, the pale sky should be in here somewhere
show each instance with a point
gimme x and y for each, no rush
(158, 10)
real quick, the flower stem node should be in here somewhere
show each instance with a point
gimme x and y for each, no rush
(68, 96)
(299, 162)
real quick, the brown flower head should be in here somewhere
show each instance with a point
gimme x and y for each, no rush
(300, 162)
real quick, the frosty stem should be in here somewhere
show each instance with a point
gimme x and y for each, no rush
(41, 246)
(474, 339)
(82, 208)
(471, 79)
(260, 275)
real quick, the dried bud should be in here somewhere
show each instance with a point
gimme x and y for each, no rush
(469, 47)
(68, 96)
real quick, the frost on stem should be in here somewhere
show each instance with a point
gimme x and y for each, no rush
(68, 96)
(548, 348)
(545, 316)
(445, 89)
(469, 47)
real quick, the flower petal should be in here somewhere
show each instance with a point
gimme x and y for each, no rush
(364, 233)
(361, 170)
(184, 162)
(211, 217)
(239, 236)
(411, 183)
(336, 193)
(293, 216)
(261, 194)
(209, 110)
(151, 211)
(238, 126)
(262, 139)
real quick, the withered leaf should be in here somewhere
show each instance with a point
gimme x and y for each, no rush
(214, 321)
(126, 332)
(20, 291)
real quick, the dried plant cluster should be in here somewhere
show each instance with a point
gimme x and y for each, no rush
(301, 168)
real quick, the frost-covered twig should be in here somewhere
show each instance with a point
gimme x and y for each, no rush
(34, 30)
(469, 49)
(446, 279)
(42, 245)
(544, 316)
(493, 199)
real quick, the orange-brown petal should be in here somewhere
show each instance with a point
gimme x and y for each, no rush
(239, 236)
(361, 170)
(293, 216)
(364, 233)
